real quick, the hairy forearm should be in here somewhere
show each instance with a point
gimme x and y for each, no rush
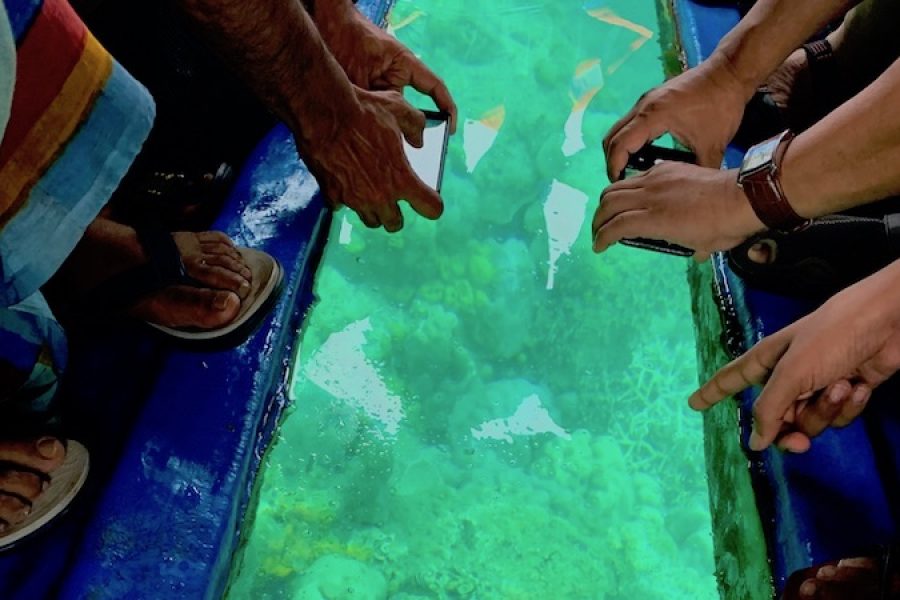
(850, 157)
(277, 49)
(768, 34)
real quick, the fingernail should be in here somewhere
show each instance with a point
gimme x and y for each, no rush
(48, 447)
(827, 571)
(808, 588)
(756, 443)
(220, 302)
(860, 395)
(834, 395)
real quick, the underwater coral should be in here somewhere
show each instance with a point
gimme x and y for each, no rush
(461, 428)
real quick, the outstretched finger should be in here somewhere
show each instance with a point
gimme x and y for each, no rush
(422, 79)
(390, 216)
(614, 200)
(424, 200)
(821, 413)
(751, 368)
(784, 387)
(368, 217)
(794, 441)
(633, 136)
(623, 225)
(616, 128)
(853, 407)
(412, 124)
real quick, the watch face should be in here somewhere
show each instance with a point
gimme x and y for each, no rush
(759, 155)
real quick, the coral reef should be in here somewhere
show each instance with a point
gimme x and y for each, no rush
(459, 430)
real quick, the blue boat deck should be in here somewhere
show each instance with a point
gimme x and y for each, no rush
(840, 498)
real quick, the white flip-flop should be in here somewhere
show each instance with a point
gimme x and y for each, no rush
(267, 277)
(65, 483)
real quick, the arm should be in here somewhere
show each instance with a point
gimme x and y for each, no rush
(703, 107)
(373, 59)
(349, 138)
(820, 370)
(275, 47)
(849, 157)
(844, 160)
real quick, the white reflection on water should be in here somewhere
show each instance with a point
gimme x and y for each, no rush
(341, 368)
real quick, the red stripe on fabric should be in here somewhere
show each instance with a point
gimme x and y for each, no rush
(46, 57)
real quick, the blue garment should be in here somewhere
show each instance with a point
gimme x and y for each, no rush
(72, 121)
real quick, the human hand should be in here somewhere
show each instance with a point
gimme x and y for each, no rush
(701, 108)
(374, 60)
(362, 163)
(697, 207)
(820, 370)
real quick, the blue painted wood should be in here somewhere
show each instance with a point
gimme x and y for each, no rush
(176, 435)
(836, 500)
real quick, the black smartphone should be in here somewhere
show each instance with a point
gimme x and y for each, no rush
(428, 161)
(642, 160)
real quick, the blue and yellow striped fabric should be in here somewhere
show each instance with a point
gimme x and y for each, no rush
(78, 120)
(75, 123)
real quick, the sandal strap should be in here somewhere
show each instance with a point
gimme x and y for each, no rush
(163, 268)
(892, 231)
(825, 76)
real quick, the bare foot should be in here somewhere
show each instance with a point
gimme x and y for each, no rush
(24, 469)
(849, 579)
(210, 258)
(109, 248)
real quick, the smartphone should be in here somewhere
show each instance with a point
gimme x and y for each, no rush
(642, 160)
(428, 161)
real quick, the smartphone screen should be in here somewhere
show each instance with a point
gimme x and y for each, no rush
(428, 161)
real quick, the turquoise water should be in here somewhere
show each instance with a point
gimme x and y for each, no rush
(482, 407)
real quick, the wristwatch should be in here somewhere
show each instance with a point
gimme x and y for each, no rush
(759, 178)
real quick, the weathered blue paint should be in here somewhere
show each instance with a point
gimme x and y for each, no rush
(176, 436)
(836, 500)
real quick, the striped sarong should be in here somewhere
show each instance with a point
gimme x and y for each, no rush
(75, 123)
(78, 120)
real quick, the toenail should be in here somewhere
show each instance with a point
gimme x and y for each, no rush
(220, 302)
(827, 571)
(808, 588)
(246, 273)
(48, 447)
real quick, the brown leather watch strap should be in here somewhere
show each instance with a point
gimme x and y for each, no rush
(767, 199)
(770, 205)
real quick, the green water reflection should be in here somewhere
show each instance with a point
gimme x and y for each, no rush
(484, 408)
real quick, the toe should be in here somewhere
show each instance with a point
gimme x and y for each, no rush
(43, 454)
(219, 277)
(23, 462)
(220, 249)
(12, 510)
(185, 306)
(208, 237)
(22, 483)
